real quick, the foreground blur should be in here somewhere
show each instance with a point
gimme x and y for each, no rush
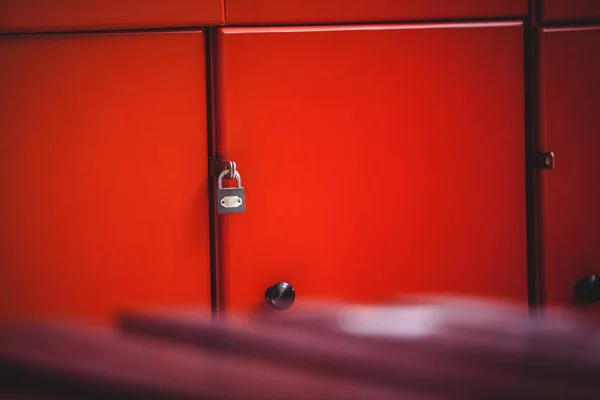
(414, 348)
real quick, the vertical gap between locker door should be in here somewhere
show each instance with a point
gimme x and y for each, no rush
(534, 271)
(211, 130)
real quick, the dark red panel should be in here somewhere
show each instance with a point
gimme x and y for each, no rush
(55, 15)
(377, 160)
(321, 11)
(570, 127)
(570, 10)
(103, 173)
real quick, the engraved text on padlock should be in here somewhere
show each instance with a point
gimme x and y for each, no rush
(231, 201)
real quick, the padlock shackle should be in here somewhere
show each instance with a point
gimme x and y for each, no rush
(236, 176)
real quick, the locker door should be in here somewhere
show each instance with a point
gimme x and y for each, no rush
(255, 12)
(570, 193)
(569, 10)
(377, 161)
(103, 169)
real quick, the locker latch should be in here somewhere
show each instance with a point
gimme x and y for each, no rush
(544, 160)
(217, 166)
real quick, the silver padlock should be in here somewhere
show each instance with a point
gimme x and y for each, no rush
(230, 200)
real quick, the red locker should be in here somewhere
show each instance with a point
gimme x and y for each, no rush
(570, 127)
(569, 10)
(261, 12)
(103, 152)
(73, 15)
(377, 160)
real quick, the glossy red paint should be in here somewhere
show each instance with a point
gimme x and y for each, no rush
(253, 12)
(570, 10)
(377, 160)
(570, 127)
(68, 15)
(103, 173)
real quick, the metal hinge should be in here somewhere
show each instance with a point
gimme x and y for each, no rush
(544, 160)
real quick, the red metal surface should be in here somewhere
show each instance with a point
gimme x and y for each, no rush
(56, 15)
(377, 160)
(323, 11)
(570, 126)
(103, 173)
(570, 10)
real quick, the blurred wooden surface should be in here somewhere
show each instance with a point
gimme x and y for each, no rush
(415, 349)
(447, 348)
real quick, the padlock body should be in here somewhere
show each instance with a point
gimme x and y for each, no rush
(230, 200)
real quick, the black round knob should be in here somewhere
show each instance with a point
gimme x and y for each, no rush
(587, 289)
(280, 296)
